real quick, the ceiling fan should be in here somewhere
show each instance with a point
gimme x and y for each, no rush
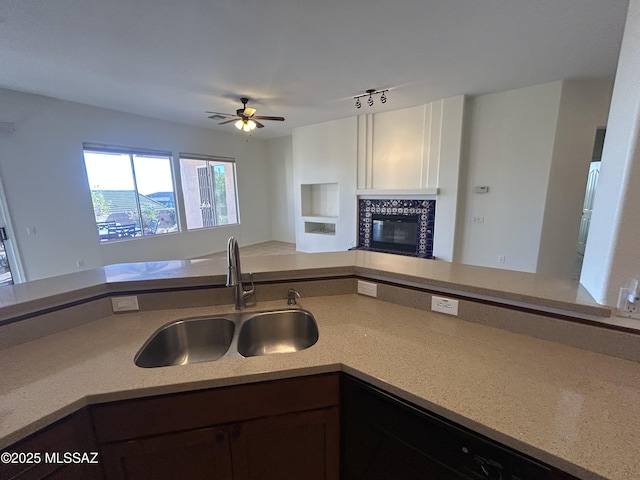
(245, 118)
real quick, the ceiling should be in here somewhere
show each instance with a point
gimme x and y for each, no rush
(304, 60)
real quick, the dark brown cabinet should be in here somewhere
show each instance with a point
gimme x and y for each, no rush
(296, 446)
(49, 453)
(286, 429)
(197, 455)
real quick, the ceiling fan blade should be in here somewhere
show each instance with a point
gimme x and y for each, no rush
(265, 117)
(228, 121)
(220, 113)
(258, 124)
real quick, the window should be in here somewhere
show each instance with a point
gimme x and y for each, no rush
(209, 190)
(132, 192)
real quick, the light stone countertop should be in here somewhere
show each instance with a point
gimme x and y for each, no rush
(571, 408)
(516, 288)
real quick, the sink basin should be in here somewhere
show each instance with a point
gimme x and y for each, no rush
(187, 341)
(277, 332)
(246, 334)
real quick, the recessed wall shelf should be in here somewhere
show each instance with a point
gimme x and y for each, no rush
(320, 228)
(319, 200)
(320, 218)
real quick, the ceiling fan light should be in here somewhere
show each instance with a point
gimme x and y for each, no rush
(243, 120)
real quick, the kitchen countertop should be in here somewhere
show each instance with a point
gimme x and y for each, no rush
(571, 408)
(516, 288)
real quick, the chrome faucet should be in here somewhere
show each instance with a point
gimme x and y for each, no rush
(234, 275)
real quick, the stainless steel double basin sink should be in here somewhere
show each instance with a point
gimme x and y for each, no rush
(248, 334)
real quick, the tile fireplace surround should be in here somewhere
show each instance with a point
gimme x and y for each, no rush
(424, 209)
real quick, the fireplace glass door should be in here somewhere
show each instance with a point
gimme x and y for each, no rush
(395, 233)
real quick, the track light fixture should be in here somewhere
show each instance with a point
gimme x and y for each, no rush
(370, 93)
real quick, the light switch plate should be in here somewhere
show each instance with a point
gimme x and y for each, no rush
(125, 304)
(367, 288)
(444, 305)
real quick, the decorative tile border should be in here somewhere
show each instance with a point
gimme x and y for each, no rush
(426, 210)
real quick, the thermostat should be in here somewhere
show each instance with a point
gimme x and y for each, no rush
(482, 189)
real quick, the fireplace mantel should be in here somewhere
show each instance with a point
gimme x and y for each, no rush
(418, 193)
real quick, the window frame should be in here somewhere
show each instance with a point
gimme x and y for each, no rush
(209, 159)
(133, 152)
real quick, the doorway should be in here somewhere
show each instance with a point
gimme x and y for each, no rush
(6, 278)
(589, 195)
(587, 207)
(10, 266)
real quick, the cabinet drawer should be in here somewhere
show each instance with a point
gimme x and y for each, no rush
(162, 414)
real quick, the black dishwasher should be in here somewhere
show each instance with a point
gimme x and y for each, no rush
(386, 438)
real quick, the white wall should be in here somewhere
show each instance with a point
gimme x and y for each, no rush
(42, 170)
(527, 145)
(416, 148)
(326, 153)
(403, 149)
(447, 168)
(584, 106)
(531, 147)
(510, 139)
(611, 256)
(398, 154)
(280, 160)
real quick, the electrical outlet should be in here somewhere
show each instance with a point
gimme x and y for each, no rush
(626, 307)
(125, 304)
(444, 305)
(367, 288)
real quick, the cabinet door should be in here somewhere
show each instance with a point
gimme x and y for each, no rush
(288, 447)
(70, 434)
(194, 455)
(67, 473)
(58, 472)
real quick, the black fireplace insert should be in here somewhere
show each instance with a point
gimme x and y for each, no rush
(404, 227)
(395, 233)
